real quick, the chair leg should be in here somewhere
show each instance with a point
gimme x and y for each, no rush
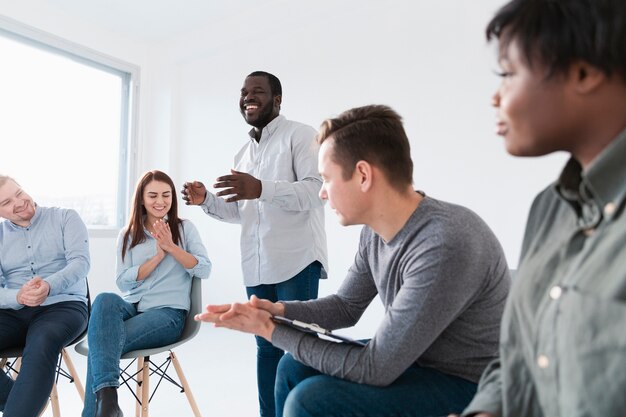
(72, 371)
(145, 388)
(183, 381)
(139, 383)
(16, 367)
(54, 401)
(54, 395)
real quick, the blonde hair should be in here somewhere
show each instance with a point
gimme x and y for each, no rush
(4, 179)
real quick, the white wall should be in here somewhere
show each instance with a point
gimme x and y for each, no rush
(426, 59)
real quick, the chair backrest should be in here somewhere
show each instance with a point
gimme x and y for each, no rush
(191, 328)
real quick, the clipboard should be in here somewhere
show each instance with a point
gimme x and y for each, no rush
(315, 329)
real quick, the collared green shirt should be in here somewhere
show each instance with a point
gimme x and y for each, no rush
(563, 335)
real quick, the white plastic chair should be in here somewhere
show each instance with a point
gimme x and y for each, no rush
(145, 366)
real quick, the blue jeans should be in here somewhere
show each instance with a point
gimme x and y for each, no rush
(43, 331)
(116, 327)
(303, 286)
(302, 391)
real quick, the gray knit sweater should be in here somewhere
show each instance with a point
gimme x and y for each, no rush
(443, 280)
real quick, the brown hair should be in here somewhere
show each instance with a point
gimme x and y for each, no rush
(134, 229)
(374, 134)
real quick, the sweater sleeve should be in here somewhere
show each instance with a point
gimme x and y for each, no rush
(429, 282)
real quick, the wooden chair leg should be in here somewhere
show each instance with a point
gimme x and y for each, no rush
(72, 371)
(139, 383)
(54, 401)
(145, 388)
(183, 381)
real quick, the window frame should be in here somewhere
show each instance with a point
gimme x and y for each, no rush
(130, 75)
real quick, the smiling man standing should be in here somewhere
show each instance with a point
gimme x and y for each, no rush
(273, 193)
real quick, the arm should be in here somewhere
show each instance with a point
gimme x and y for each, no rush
(429, 299)
(195, 193)
(489, 396)
(299, 195)
(34, 292)
(8, 296)
(252, 317)
(127, 272)
(163, 235)
(194, 246)
(343, 309)
(488, 399)
(146, 268)
(76, 245)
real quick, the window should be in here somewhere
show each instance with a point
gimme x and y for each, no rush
(66, 124)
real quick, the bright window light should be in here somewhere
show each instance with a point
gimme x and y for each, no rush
(64, 130)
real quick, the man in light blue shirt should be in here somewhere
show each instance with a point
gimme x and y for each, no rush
(44, 261)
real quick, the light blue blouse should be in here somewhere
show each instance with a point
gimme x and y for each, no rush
(169, 284)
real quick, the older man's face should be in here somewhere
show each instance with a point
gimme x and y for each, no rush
(15, 205)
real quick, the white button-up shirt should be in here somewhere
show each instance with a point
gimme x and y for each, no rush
(282, 231)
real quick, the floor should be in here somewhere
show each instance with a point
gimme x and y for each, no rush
(220, 367)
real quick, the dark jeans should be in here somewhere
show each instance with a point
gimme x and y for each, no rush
(303, 286)
(302, 391)
(43, 331)
(116, 327)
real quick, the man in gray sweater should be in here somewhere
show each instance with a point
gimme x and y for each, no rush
(439, 270)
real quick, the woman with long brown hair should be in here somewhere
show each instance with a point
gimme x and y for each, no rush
(158, 256)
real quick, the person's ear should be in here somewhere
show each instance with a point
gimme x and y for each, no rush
(363, 170)
(278, 101)
(586, 77)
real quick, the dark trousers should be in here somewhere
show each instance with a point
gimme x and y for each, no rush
(303, 286)
(43, 331)
(302, 391)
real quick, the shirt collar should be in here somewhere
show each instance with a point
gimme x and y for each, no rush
(599, 188)
(269, 129)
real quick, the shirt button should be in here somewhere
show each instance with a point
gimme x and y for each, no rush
(555, 292)
(609, 209)
(542, 361)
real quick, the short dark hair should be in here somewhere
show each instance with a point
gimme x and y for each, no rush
(560, 32)
(275, 86)
(374, 134)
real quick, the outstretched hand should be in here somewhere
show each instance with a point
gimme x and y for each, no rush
(194, 193)
(239, 185)
(250, 317)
